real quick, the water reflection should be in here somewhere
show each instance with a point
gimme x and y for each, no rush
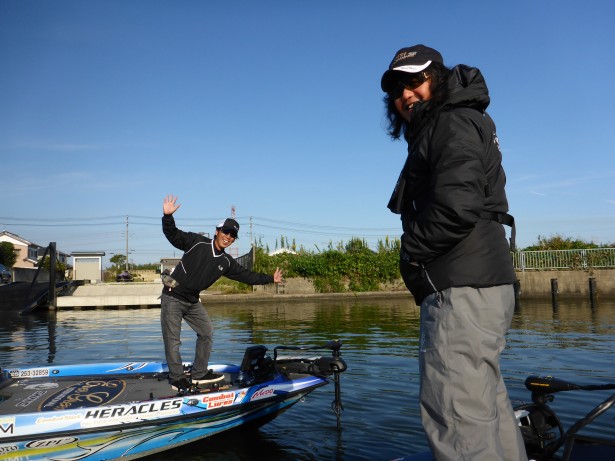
(573, 341)
(575, 315)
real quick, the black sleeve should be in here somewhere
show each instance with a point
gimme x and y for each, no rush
(178, 238)
(241, 274)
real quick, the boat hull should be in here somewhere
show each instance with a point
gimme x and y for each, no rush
(124, 410)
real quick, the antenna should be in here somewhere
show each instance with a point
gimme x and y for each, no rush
(233, 251)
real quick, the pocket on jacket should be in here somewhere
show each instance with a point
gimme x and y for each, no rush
(415, 280)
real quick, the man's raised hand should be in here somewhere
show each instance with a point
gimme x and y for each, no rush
(169, 206)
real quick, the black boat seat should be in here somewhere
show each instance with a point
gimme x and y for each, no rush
(256, 366)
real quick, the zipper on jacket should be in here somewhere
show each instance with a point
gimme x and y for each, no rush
(438, 293)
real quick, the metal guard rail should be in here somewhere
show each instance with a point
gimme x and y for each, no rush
(592, 258)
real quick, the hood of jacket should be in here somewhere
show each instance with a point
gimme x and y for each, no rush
(467, 88)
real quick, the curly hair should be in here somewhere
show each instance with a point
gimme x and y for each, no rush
(438, 75)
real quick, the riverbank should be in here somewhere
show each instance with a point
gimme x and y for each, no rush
(536, 284)
(531, 284)
(148, 295)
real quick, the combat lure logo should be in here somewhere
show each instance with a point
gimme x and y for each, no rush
(219, 400)
(7, 425)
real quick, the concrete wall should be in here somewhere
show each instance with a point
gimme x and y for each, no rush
(113, 294)
(569, 283)
(145, 276)
(533, 283)
(22, 274)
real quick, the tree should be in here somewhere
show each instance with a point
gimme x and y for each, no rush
(119, 261)
(356, 245)
(8, 256)
(45, 264)
(560, 242)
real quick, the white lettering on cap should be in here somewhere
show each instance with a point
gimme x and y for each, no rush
(413, 69)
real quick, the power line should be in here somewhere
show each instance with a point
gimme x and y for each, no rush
(187, 222)
(146, 232)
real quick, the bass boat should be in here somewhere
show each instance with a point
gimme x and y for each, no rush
(128, 410)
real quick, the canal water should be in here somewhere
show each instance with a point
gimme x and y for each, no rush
(574, 341)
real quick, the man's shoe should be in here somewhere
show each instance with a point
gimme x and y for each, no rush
(181, 385)
(207, 378)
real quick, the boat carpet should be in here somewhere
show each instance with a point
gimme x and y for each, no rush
(67, 393)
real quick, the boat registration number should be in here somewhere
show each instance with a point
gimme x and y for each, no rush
(32, 373)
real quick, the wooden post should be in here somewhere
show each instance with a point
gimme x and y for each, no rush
(554, 293)
(517, 289)
(593, 290)
(53, 304)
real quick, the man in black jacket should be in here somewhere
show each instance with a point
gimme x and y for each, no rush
(204, 261)
(455, 258)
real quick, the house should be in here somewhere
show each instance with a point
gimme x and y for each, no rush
(28, 253)
(87, 265)
(168, 263)
(282, 251)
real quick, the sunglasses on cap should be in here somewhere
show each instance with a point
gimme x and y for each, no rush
(229, 232)
(409, 82)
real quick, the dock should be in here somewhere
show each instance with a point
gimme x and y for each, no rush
(130, 294)
(15, 297)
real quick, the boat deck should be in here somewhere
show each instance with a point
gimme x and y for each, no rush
(27, 395)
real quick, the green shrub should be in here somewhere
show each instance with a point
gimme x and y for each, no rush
(350, 267)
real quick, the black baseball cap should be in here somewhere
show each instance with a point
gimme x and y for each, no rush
(229, 225)
(412, 59)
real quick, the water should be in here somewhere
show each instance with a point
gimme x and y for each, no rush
(380, 389)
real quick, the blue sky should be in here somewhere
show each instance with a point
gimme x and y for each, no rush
(275, 108)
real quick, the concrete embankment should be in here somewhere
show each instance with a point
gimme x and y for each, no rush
(148, 295)
(568, 283)
(113, 294)
(532, 284)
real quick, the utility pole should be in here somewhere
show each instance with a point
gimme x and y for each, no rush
(53, 301)
(126, 243)
(253, 250)
(252, 243)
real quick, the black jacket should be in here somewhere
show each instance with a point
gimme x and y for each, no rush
(201, 265)
(449, 189)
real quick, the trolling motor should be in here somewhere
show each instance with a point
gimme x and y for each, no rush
(537, 420)
(319, 366)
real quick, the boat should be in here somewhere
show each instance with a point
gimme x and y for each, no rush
(128, 410)
(543, 433)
